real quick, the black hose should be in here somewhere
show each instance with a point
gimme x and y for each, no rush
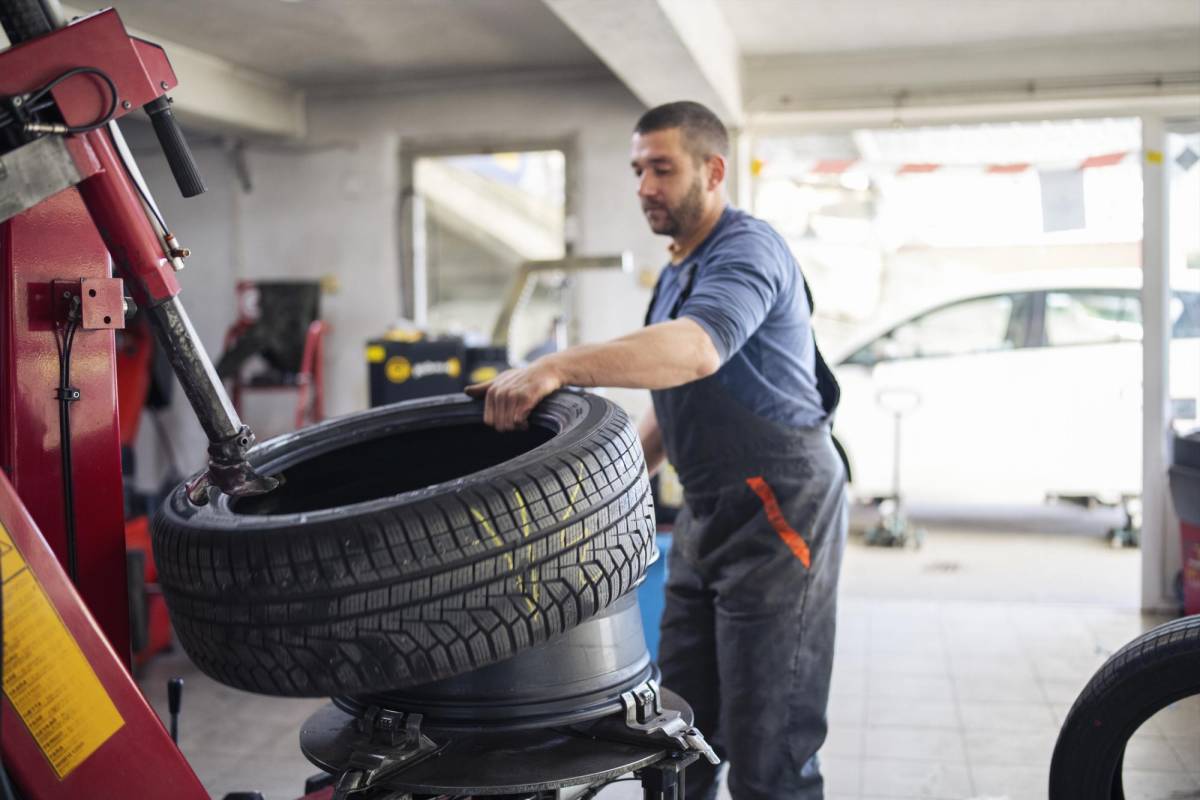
(68, 394)
(113, 96)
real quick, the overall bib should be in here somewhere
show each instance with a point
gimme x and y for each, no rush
(748, 626)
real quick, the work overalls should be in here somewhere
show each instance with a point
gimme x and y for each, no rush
(748, 627)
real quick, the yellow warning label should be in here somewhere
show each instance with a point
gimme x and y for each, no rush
(46, 676)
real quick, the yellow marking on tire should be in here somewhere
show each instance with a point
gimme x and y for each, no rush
(491, 532)
(536, 591)
(574, 493)
(524, 513)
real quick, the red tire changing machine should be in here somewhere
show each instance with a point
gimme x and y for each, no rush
(74, 210)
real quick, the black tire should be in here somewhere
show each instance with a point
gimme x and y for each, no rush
(1156, 669)
(437, 546)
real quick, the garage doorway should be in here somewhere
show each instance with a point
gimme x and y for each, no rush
(978, 287)
(471, 216)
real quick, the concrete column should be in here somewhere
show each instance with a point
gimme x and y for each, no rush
(1156, 337)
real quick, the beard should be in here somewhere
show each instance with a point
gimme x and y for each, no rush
(680, 218)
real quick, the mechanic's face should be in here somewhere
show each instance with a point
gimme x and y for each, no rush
(672, 186)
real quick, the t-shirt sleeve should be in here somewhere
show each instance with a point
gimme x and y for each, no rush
(735, 290)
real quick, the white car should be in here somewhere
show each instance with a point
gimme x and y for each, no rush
(1011, 396)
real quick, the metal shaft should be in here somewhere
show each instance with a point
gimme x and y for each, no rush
(175, 334)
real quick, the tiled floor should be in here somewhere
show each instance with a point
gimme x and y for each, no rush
(954, 668)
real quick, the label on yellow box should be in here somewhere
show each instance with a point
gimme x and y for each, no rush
(47, 678)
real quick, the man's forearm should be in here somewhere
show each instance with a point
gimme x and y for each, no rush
(656, 357)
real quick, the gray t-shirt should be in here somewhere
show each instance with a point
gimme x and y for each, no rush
(748, 295)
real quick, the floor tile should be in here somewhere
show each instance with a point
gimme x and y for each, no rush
(924, 779)
(1144, 785)
(1187, 747)
(906, 713)
(847, 710)
(1060, 691)
(923, 744)
(1003, 748)
(1179, 718)
(997, 689)
(911, 687)
(1149, 752)
(848, 681)
(842, 775)
(919, 663)
(843, 741)
(1007, 716)
(1010, 782)
(971, 664)
(1077, 667)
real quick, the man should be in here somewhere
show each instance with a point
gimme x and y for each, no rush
(742, 401)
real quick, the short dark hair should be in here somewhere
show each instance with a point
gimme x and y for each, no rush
(703, 133)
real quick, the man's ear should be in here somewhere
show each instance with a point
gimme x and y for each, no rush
(716, 170)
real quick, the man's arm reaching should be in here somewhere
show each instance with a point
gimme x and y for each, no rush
(655, 357)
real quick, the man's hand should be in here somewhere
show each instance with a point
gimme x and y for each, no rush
(511, 396)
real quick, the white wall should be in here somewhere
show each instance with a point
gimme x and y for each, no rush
(330, 206)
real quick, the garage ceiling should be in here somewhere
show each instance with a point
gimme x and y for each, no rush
(323, 42)
(780, 27)
(771, 61)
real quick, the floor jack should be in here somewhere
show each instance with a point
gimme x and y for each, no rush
(894, 528)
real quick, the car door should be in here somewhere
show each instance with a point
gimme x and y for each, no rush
(953, 380)
(1089, 374)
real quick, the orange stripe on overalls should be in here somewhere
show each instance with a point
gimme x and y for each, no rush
(775, 517)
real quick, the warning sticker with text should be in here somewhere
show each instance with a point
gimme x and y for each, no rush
(47, 678)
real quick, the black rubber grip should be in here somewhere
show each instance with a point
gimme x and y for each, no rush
(174, 695)
(23, 20)
(175, 147)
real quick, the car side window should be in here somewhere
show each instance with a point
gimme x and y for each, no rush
(1185, 315)
(980, 325)
(1092, 317)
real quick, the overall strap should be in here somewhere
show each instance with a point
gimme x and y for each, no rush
(689, 283)
(827, 385)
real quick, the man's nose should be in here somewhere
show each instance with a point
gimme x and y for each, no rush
(646, 186)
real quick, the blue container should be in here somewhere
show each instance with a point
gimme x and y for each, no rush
(652, 595)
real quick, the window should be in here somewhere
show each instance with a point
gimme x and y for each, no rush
(982, 325)
(1092, 317)
(482, 215)
(1185, 315)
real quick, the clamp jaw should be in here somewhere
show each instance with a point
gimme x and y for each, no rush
(645, 715)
